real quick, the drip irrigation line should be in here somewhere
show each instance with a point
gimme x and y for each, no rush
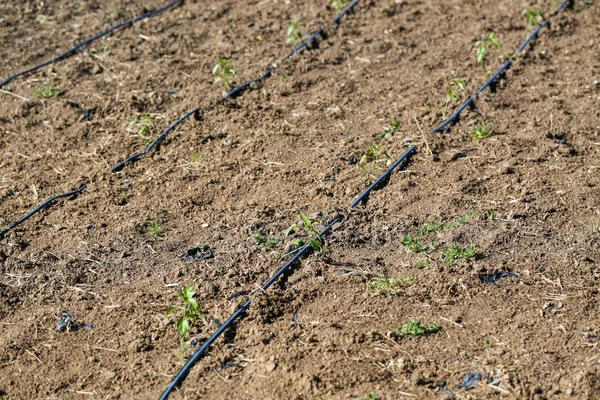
(384, 176)
(38, 209)
(302, 45)
(86, 41)
(181, 375)
(453, 118)
(306, 248)
(346, 10)
(156, 141)
(239, 89)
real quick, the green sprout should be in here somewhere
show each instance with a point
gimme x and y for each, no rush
(487, 344)
(154, 228)
(370, 396)
(267, 241)
(388, 286)
(413, 244)
(47, 90)
(189, 313)
(196, 158)
(293, 33)
(455, 88)
(481, 131)
(415, 328)
(338, 5)
(142, 125)
(483, 47)
(394, 125)
(456, 255)
(222, 73)
(533, 18)
(491, 216)
(375, 154)
(308, 226)
(420, 264)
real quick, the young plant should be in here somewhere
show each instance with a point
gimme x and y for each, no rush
(394, 125)
(415, 328)
(486, 344)
(375, 154)
(47, 90)
(267, 241)
(196, 158)
(388, 286)
(154, 228)
(455, 88)
(308, 226)
(413, 244)
(533, 18)
(454, 254)
(141, 127)
(189, 313)
(483, 46)
(338, 5)
(481, 131)
(420, 264)
(223, 73)
(370, 396)
(293, 33)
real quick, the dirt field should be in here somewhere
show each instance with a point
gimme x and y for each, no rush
(528, 196)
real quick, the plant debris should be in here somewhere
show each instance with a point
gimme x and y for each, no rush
(469, 380)
(197, 253)
(493, 278)
(67, 323)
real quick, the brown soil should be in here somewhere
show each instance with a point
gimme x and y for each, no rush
(318, 333)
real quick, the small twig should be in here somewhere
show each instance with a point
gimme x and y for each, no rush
(424, 139)
(14, 95)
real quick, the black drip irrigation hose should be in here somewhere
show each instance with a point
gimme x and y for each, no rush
(156, 141)
(86, 41)
(454, 117)
(239, 89)
(38, 209)
(181, 375)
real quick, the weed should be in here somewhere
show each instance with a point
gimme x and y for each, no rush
(463, 220)
(394, 125)
(420, 264)
(490, 215)
(413, 244)
(388, 286)
(47, 90)
(487, 344)
(338, 5)
(533, 18)
(375, 154)
(223, 73)
(268, 241)
(189, 313)
(483, 47)
(293, 33)
(455, 88)
(370, 396)
(196, 158)
(481, 131)
(454, 254)
(415, 328)
(154, 228)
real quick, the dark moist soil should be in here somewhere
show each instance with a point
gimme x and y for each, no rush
(270, 155)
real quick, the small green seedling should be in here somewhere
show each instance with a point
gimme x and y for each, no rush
(491, 216)
(196, 158)
(420, 264)
(189, 313)
(456, 255)
(388, 287)
(483, 47)
(223, 73)
(415, 328)
(268, 242)
(375, 154)
(308, 226)
(436, 226)
(456, 88)
(394, 125)
(47, 90)
(154, 228)
(533, 18)
(370, 396)
(338, 5)
(293, 33)
(487, 344)
(481, 131)
(413, 244)
(142, 125)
